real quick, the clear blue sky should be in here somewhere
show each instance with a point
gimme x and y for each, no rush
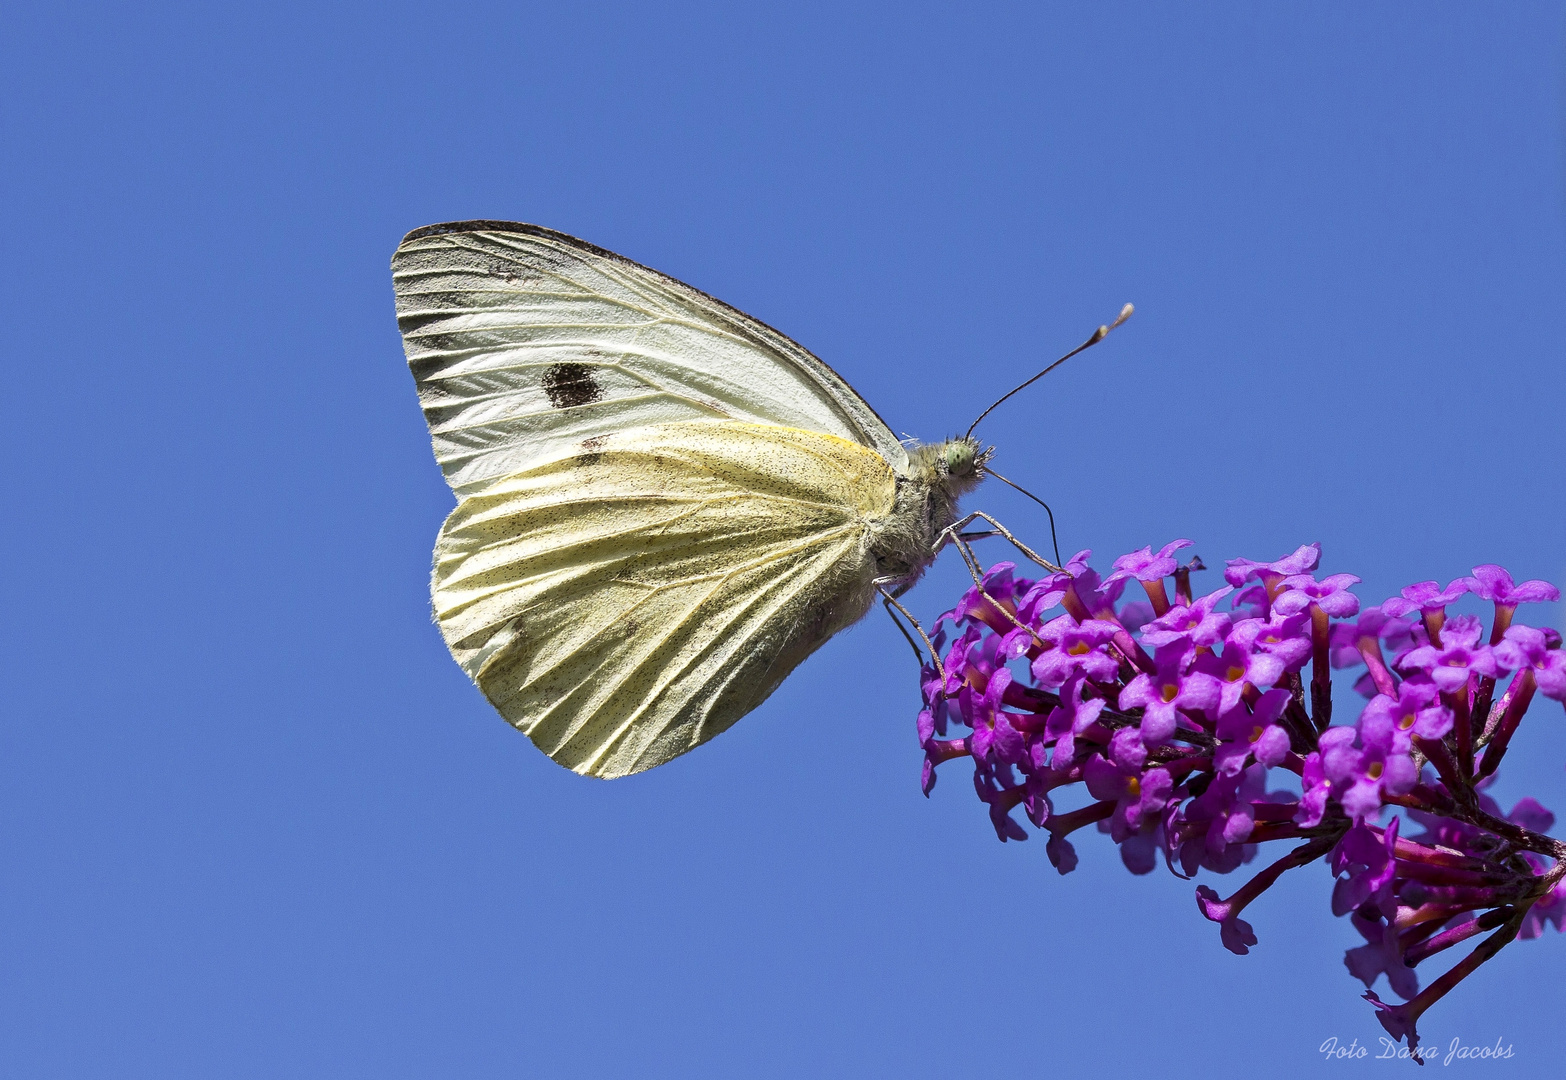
(254, 822)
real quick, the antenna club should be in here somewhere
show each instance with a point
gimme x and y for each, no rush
(1098, 335)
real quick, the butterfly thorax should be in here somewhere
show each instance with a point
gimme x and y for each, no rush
(939, 474)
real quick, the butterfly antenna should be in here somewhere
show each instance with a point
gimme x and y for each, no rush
(1098, 335)
(1036, 499)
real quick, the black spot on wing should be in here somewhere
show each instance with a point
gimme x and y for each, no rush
(571, 384)
(590, 455)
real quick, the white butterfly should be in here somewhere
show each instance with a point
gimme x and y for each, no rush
(664, 504)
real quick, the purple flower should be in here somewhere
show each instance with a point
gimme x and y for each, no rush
(1316, 786)
(1136, 792)
(1365, 854)
(1236, 667)
(1075, 647)
(1304, 559)
(1531, 814)
(1399, 1020)
(935, 750)
(1187, 771)
(1373, 623)
(1459, 656)
(973, 649)
(1000, 797)
(1167, 691)
(1243, 732)
(1377, 764)
(1077, 563)
(1228, 809)
(1344, 643)
(1383, 955)
(1062, 856)
(1551, 676)
(1040, 597)
(1198, 623)
(976, 607)
(1250, 603)
(1549, 908)
(1330, 594)
(1135, 615)
(1145, 566)
(1417, 709)
(1088, 597)
(994, 738)
(1424, 596)
(1235, 933)
(1493, 583)
(1287, 638)
(1139, 850)
(1069, 719)
(1523, 647)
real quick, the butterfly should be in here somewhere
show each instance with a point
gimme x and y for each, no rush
(664, 505)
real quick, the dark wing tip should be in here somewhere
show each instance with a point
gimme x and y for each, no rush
(449, 228)
(467, 226)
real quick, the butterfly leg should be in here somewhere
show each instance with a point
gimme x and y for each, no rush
(953, 534)
(889, 600)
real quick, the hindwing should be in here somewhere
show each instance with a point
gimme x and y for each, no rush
(625, 604)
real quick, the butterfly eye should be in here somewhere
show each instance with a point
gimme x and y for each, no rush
(959, 458)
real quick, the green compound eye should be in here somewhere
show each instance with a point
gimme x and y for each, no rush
(959, 458)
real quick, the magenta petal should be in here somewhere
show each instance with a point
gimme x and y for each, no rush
(1273, 746)
(1396, 1020)
(1127, 750)
(1551, 676)
(1211, 905)
(1104, 781)
(1229, 759)
(1237, 936)
(1531, 814)
(1138, 693)
(1158, 723)
(1062, 856)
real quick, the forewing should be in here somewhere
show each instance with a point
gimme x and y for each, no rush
(624, 605)
(524, 342)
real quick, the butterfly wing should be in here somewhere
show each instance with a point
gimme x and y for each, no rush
(525, 342)
(626, 604)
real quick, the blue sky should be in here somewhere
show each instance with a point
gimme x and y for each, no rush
(255, 822)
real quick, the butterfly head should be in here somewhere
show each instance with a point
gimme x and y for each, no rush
(953, 464)
(961, 458)
(951, 468)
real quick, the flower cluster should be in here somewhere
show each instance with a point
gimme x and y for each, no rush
(1178, 714)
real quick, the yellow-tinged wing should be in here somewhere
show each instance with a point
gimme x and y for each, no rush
(625, 605)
